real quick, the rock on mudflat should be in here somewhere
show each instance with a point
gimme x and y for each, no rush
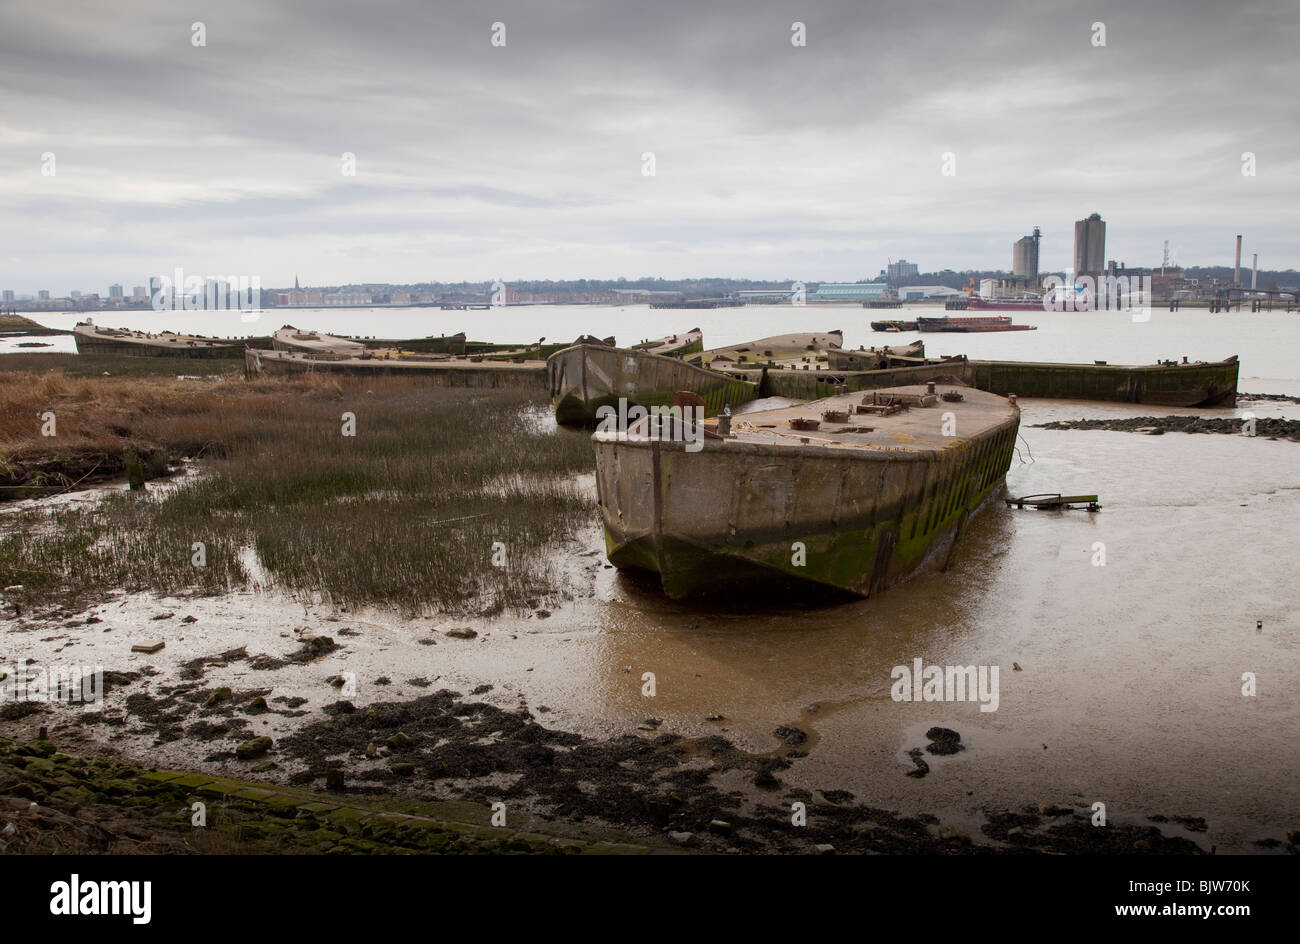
(792, 736)
(253, 747)
(218, 696)
(682, 839)
(922, 768)
(943, 741)
(149, 648)
(461, 632)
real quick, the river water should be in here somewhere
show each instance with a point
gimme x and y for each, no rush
(1265, 341)
(1129, 690)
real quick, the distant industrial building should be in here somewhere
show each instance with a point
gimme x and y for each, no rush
(849, 292)
(115, 291)
(1024, 257)
(911, 293)
(1090, 246)
(9, 296)
(43, 295)
(900, 270)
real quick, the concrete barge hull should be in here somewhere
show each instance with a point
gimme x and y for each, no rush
(815, 384)
(1172, 385)
(728, 517)
(585, 377)
(164, 345)
(437, 374)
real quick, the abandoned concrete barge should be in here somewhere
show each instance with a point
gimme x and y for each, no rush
(850, 493)
(585, 377)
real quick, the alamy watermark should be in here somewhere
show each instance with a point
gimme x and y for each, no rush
(183, 292)
(1109, 292)
(919, 682)
(82, 684)
(665, 423)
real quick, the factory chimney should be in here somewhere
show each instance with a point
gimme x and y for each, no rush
(1236, 271)
(1254, 271)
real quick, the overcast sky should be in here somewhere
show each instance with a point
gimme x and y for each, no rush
(476, 161)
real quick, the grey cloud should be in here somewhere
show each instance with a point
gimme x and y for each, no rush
(770, 159)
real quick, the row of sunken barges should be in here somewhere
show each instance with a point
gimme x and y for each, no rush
(849, 493)
(865, 474)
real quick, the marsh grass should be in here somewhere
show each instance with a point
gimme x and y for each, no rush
(403, 514)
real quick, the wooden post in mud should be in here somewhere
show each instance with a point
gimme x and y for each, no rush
(134, 469)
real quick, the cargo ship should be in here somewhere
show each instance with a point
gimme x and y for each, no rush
(969, 324)
(893, 326)
(844, 495)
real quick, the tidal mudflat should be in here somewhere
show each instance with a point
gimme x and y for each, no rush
(349, 639)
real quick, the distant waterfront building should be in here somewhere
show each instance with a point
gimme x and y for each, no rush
(1090, 246)
(9, 296)
(115, 291)
(911, 293)
(43, 295)
(1024, 257)
(139, 292)
(849, 292)
(902, 269)
(344, 298)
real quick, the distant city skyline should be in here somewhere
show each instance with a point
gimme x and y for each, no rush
(892, 269)
(675, 140)
(901, 272)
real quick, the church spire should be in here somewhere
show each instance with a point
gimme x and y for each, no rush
(296, 286)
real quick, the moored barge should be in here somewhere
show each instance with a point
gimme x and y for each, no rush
(971, 324)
